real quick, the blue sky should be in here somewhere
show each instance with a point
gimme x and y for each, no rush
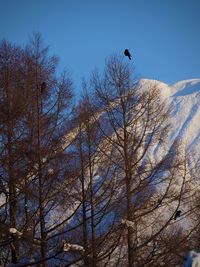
(162, 35)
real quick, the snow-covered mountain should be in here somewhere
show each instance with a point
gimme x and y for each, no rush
(184, 99)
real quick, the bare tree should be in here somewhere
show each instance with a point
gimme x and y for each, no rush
(49, 100)
(135, 124)
(12, 123)
(97, 186)
(34, 105)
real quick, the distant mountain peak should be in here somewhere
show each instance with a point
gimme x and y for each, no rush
(184, 97)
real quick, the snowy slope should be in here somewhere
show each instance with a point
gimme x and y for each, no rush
(186, 115)
(184, 99)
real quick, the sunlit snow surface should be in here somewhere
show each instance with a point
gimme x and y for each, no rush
(183, 101)
(183, 98)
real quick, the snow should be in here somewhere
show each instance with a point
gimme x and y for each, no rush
(192, 259)
(72, 247)
(184, 99)
(185, 119)
(14, 231)
(184, 96)
(165, 89)
(186, 87)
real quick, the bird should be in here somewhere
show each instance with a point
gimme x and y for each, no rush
(127, 53)
(177, 214)
(43, 87)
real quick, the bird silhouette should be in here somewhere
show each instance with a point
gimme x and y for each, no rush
(43, 87)
(127, 53)
(177, 214)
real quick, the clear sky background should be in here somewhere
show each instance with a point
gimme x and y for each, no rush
(162, 35)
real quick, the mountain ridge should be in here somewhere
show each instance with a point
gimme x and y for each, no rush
(184, 97)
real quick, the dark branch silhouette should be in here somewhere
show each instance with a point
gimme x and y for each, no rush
(43, 87)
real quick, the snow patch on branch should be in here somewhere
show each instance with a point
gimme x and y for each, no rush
(72, 247)
(14, 231)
